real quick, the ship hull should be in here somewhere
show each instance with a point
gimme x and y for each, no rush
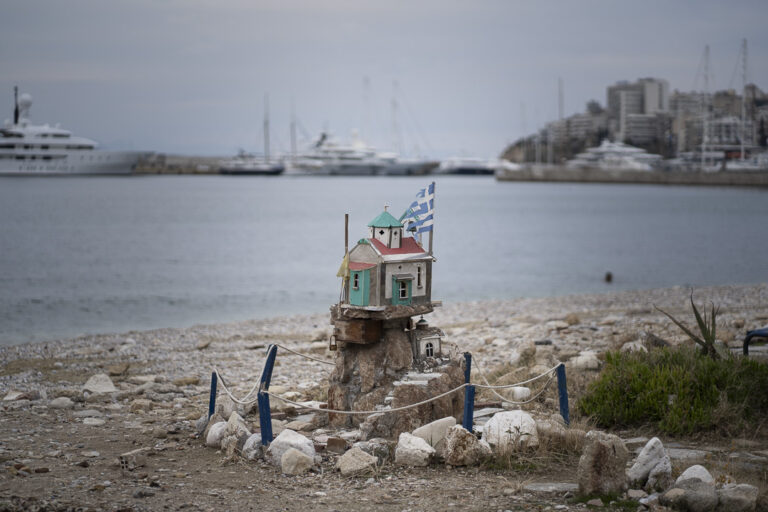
(72, 164)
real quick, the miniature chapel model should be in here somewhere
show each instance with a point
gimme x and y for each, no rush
(387, 355)
(389, 278)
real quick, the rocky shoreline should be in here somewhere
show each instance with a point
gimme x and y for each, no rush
(61, 442)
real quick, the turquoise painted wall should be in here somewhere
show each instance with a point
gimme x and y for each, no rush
(361, 295)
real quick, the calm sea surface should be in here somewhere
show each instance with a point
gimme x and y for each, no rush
(89, 255)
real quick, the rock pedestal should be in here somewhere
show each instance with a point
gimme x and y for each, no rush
(384, 374)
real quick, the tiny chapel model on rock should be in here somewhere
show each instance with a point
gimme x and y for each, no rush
(385, 358)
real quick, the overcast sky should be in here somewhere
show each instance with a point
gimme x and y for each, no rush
(188, 76)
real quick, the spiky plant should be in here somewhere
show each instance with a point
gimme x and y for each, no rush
(707, 329)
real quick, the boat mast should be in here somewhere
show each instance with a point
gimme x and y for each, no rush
(743, 95)
(293, 130)
(15, 104)
(266, 128)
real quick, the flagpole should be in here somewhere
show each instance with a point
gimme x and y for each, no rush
(432, 231)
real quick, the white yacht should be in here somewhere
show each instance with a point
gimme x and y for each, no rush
(328, 156)
(31, 149)
(248, 164)
(469, 165)
(611, 156)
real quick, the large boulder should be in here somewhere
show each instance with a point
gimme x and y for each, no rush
(294, 462)
(289, 439)
(413, 451)
(692, 495)
(652, 454)
(356, 462)
(510, 431)
(660, 477)
(737, 498)
(602, 464)
(462, 448)
(434, 433)
(697, 471)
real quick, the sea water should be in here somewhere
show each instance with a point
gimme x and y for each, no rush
(90, 254)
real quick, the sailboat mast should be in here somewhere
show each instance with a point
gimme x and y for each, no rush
(293, 130)
(15, 104)
(266, 128)
(743, 95)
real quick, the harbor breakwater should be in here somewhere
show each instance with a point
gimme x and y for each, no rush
(554, 174)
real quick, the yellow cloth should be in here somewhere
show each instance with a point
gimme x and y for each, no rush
(344, 268)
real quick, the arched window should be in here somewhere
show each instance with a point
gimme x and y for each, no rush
(429, 349)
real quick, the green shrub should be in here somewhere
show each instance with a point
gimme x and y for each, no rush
(678, 391)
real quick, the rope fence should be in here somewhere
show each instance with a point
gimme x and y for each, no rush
(261, 388)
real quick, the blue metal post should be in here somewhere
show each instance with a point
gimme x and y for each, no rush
(212, 399)
(467, 366)
(265, 418)
(562, 389)
(469, 408)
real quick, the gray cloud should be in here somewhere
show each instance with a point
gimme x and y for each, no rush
(189, 76)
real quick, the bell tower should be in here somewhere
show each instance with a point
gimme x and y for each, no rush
(387, 230)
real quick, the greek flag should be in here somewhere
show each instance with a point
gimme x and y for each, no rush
(419, 217)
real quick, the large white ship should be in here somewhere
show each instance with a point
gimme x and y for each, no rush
(32, 149)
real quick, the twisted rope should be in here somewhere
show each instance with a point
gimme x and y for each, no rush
(305, 355)
(507, 400)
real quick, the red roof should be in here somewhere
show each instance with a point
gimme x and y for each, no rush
(407, 246)
(354, 265)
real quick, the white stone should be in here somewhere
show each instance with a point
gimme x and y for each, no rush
(586, 360)
(412, 450)
(511, 431)
(634, 346)
(294, 462)
(13, 395)
(100, 383)
(236, 426)
(61, 402)
(660, 477)
(462, 448)
(216, 434)
(94, 422)
(519, 393)
(651, 455)
(434, 433)
(356, 462)
(252, 449)
(697, 471)
(289, 439)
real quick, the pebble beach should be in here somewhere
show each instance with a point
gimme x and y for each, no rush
(61, 443)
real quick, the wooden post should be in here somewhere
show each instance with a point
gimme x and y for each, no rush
(212, 399)
(265, 418)
(562, 390)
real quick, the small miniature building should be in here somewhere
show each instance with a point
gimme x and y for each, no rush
(388, 268)
(426, 341)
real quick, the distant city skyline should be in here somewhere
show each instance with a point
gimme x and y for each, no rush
(190, 76)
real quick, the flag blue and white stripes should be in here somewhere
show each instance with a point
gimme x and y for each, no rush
(419, 217)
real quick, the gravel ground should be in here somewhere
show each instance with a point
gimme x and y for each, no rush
(66, 458)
